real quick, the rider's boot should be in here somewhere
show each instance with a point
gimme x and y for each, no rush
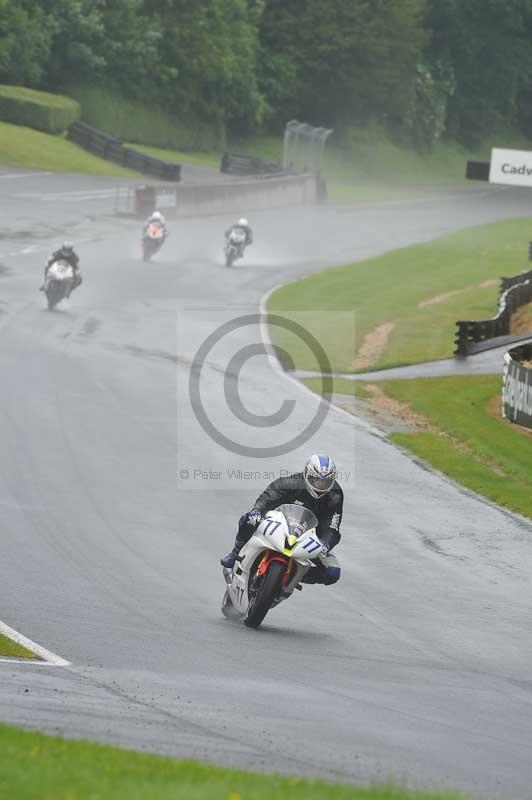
(228, 561)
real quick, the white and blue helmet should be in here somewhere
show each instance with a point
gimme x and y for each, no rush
(319, 474)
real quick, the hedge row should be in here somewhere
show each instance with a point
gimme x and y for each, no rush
(52, 113)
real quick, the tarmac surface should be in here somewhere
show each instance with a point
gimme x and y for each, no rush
(488, 362)
(415, 667)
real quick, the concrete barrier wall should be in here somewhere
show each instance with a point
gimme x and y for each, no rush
(230, 197)
(240, 196)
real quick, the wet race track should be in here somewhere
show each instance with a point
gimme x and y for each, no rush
(414, 667)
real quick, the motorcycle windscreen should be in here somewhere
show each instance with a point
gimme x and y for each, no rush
(298, 518)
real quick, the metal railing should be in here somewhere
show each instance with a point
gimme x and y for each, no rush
(471, 332)
(507, 283)
(112, 149)
(236, 164)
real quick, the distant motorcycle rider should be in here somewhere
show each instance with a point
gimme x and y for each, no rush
(315, 488)
(241, 225)
(157, 219)
(65, 253)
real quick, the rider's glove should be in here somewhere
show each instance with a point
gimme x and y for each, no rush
(325, 549)
(252, 518)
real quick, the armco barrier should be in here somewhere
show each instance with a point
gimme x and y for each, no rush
(221, 198)
(507, 283)
(471, 332)
(91, 138)
(234, 164)
(112, 149)
(517, 386)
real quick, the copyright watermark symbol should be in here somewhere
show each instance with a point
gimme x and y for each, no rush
(231, 387)
(237, 412)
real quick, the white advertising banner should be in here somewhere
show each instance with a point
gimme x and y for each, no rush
(513, 167)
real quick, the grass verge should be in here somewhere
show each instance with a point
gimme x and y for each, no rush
(465, 436)
(421, 291)
(369, 155)
(144, 123)
(10, 649)
(476, 447)
(25, 147)
(34, 765)
(340, 386)
(180, 157)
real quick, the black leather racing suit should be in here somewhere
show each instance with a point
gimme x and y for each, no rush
(293, 489)
(247, 230)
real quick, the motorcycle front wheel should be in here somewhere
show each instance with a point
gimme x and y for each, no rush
(54, 294)
(270, 589)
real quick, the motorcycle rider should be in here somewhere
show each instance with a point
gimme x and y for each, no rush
(315, 488)
(241, 225)
(157, 218)
(65, 253)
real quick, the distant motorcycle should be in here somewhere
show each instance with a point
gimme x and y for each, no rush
(58, 282)
(235, 245)
(271, 564)
(152, 240)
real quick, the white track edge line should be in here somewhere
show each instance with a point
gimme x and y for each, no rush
(42, 652)
(275, 364)
(26, 662)
(16, 175)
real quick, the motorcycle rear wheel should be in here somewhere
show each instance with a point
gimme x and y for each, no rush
(269, 590)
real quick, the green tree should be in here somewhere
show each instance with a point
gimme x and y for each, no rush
(486, 43)
(131, 50)
(341, 62)
(78, 42)
(211, 46)
(424, 121)
(25, 42)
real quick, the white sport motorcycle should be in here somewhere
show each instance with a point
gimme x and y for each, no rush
(152, 240)
(234, 246)
(58, 282)
(271, 564)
